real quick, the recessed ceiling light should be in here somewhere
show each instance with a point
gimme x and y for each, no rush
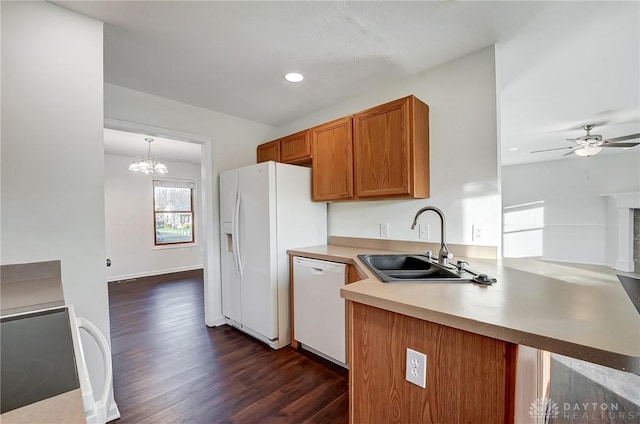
(294, 77)
(513, 149)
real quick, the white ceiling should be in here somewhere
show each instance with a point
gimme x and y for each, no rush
(559, 64)
(572, 64)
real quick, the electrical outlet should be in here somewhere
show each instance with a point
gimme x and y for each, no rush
(384, 230)
(424, 231)
(416, 371)
(477, 231)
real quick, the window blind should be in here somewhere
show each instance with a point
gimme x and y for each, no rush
(174, 183)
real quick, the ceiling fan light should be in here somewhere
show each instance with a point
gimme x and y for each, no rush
(133, 167)
(588, 151)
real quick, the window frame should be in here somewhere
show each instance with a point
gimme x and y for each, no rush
(174, 183)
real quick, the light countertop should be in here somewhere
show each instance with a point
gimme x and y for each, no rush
(66, 408)
(577, 311)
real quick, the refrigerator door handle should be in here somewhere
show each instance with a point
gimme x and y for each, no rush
(234, 232)
(236, 235)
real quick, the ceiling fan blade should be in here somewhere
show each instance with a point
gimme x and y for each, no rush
(569, 153)
(548, 150)
(624, 137)
(620, 144)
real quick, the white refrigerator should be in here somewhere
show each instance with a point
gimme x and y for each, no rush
(265, 209)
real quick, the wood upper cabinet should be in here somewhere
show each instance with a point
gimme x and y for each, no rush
(331, 148)
(296, 148)
(269, 151)
(391, 150)
(380, 153)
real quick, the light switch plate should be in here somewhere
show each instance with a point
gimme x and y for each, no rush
(416, 371)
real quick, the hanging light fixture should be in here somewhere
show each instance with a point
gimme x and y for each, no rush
(148, 164)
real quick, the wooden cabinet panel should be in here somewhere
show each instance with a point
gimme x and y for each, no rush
(269, 151)
(391, 150)
(331, 147)
(470, 378)
(381, 150)
(380, 153)
(353, 274)
(295, 148)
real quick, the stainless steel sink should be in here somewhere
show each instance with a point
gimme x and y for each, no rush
(397, 262)
(413, 267)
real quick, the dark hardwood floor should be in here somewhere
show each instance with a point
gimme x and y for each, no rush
(581, 400)
(171, 368)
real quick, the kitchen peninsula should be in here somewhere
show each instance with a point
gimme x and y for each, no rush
(471, 333)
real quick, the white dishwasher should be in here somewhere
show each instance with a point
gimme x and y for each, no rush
(318, 309)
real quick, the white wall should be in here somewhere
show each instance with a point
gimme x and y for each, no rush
(233, 144)
(234, 139)
(129, 222)
(577, 222)
(461, 96)
(52, 153)
(556, 73)
(545, 89)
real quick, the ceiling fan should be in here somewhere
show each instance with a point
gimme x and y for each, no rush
(592, 144)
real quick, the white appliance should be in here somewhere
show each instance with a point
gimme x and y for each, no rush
(43, 357)
(265, 209)
(319, 311)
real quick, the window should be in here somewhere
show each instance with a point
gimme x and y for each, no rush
(173, 211)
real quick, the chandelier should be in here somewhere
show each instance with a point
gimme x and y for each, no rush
(148, 164)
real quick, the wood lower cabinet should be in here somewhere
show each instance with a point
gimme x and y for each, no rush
(331, 147)
(391, 150)
(470, 378)
(353, 274)
(296, 148)
(269, 151)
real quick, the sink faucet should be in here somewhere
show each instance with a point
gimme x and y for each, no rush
(443, 254)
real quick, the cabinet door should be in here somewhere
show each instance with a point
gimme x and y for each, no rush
(331, 146)
(295, 148)
(470, 378)
(269, 151)
(382, 150)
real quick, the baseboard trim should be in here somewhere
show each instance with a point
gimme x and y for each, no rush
(569, 262)
(153, 273)
(624, 265)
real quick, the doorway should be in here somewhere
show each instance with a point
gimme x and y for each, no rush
(205, 193)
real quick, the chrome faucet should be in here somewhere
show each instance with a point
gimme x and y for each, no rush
(443, 254)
